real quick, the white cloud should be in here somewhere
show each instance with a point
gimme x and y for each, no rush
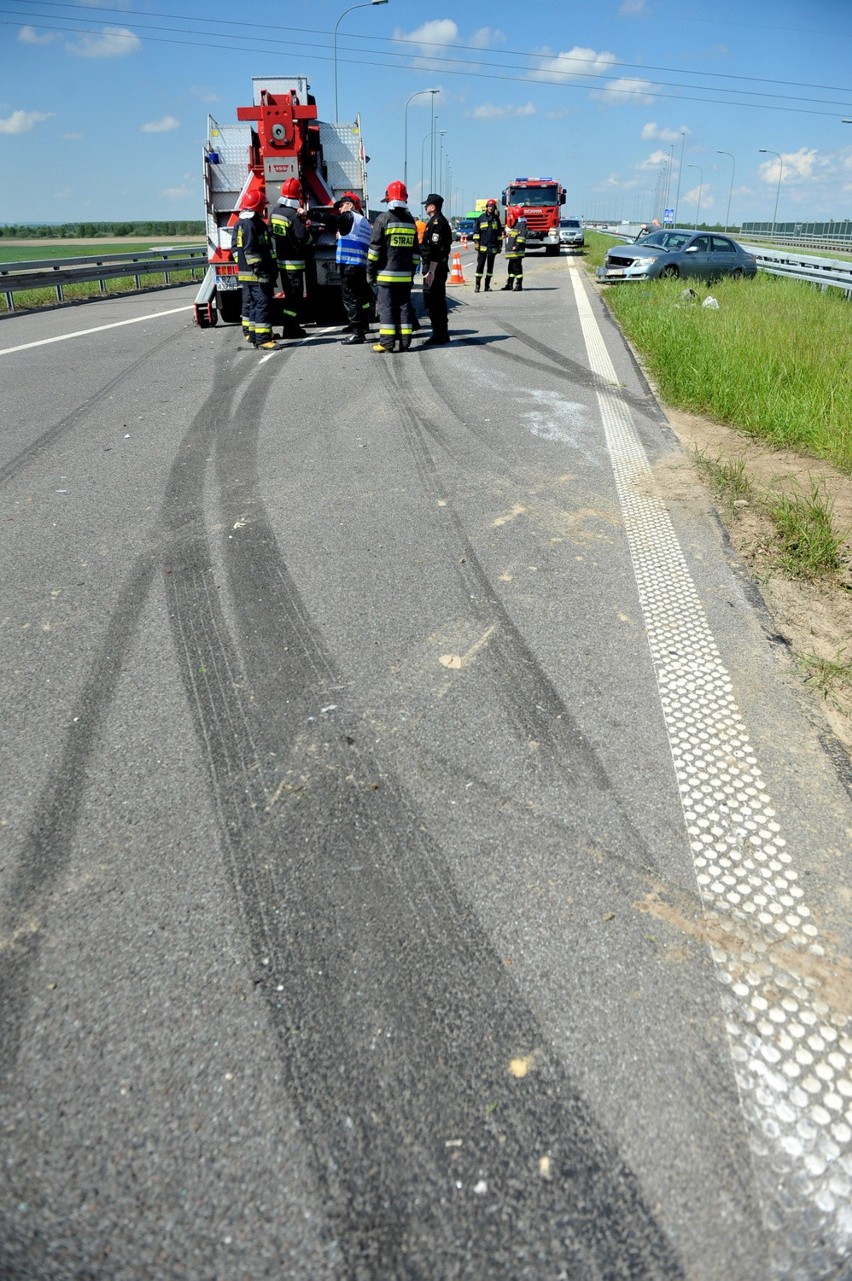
(625, 89)
(432, 36)
(486, 37)
(574, 64)
(492, 111)
(654, 160)
(164, 125)
(24, 121)
(29, 35)
(176, 193)
(799, 164)
(112, 42)
(72, 137)
(633, 8)
(652, 132)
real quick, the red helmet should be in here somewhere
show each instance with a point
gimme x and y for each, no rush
(396, 191)
(255, 198)
(351, 196)
(291, 188)
(489, 203)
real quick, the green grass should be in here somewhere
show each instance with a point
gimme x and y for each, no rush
(775, 360)
(11, 252)
(810, 547)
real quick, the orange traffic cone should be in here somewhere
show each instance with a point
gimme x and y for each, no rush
(457, 277)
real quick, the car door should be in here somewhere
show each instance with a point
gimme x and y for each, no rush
(696, 257)
(723, 255)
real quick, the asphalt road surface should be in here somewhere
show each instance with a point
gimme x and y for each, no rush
(418, 858)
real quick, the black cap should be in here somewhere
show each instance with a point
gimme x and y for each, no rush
(434, 199)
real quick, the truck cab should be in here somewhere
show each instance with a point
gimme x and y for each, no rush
(538, 200)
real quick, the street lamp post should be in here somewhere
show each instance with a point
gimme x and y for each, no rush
(367, 5)
(700, 186)
(764, 152)
(422, 149)
(441, 135)
(418, 94)
(731, 188)
(679, 172)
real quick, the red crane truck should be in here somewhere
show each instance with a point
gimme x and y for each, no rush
(538, 200)
(280, 136)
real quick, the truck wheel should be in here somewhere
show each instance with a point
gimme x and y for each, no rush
(550, 250)
(230, 304)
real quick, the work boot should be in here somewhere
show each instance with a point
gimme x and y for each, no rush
(296, 332)
(476, 287)
(508, 285)
(269, 345)
(488, 286)
(356, 337)
(380, 347)
(519, 286)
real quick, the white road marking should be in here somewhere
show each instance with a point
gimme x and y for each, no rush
(790, 1043)
(98, 329)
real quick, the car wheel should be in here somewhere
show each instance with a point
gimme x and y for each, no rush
(670, 272)
(737, 273)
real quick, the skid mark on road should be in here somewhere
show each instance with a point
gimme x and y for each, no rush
(791, 1046)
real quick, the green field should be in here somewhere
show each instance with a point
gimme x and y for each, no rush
(775, 360)
(11, 251)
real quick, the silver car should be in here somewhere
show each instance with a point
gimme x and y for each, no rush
(571, 233)
(674, 252)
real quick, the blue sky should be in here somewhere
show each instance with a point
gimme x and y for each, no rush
(103, 107)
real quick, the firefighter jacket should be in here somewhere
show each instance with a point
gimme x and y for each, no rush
(291, 236)
(353, 239)
(488, 233)
(253, 249)
(516, 241)
(437, 241)
(393, 245)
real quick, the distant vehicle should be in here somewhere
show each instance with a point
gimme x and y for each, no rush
(465, 227)
(571, 233)
(681, 252)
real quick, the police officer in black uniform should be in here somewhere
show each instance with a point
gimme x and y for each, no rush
(435, 250)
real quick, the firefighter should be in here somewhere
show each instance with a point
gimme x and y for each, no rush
(487, 241)
(390, 265)
(353, 241)
(257, 269)
(292, 239)
(516, 246)
(435, 247)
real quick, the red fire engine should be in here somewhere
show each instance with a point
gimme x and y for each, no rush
(538, 200)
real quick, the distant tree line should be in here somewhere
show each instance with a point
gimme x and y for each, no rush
(87, 230)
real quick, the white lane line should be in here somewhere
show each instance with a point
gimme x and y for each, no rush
(99, 329)
(789, 1034)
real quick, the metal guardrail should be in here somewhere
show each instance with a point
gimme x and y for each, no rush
(827, 273)
(15, 277)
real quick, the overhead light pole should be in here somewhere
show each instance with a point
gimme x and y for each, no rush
(441, 135)
(700, 186)
(731, 188)
(679, 172)
(765, 152)
(367, 5)
(418, 94)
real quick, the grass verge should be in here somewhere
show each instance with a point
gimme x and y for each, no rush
(775, 360)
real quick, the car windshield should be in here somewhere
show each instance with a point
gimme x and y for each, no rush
(569, 222)
(533, 196)
(666, 239)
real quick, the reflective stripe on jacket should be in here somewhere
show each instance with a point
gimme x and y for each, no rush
(390, 257)
(252, 248)
(516, 242)
(488, 232)
(291, 238)
(352, 247)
